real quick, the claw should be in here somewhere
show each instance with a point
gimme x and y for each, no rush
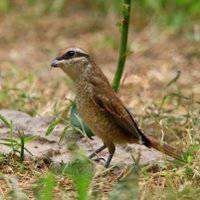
(99, 159)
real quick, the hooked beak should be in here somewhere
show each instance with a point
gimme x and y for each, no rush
(56, 63)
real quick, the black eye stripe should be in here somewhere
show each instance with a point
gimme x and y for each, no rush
(72, 54)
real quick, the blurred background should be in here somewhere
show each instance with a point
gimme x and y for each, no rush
(163, 40)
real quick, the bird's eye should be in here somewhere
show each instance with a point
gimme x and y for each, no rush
(71, 53)
(68, 55)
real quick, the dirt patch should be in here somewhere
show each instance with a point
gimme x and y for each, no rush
(48, 146)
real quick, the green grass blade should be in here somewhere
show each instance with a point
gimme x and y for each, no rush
(52, 126)
(48, 185)
(5, 121)
(174, 80)
(81, 172)
(30, 139)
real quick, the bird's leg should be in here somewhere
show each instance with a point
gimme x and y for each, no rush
(97, 151)
(111, 149)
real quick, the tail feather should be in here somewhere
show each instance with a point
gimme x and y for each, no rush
(164, 148)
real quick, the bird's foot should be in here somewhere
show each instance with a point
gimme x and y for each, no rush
(99, 159)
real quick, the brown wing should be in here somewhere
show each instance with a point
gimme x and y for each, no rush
(106, 99)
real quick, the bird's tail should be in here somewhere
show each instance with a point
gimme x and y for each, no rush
(164, 148)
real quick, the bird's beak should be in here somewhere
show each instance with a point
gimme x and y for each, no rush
(56, 63)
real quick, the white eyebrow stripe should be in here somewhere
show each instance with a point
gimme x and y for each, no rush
(77, 50)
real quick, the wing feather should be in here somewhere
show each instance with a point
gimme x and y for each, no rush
(107, 100)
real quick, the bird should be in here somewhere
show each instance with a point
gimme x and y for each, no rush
(101, 108)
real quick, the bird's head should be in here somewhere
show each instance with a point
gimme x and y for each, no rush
(73, 61)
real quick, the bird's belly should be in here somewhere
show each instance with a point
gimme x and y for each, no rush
(101, 123)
